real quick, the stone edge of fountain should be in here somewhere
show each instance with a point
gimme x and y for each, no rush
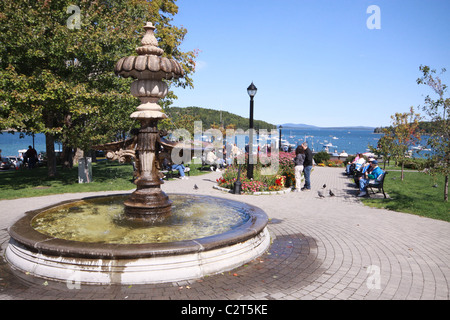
(23, 233)
(32, 253)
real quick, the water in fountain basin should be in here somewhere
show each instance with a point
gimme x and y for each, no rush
(101, 221)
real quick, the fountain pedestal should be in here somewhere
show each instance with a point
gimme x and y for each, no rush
(148, 202)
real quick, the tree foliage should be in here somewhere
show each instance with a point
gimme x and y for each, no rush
(439, 112)
(402, 135)
(384, 146)
(425, 127)
(60, 81)
(211, 118)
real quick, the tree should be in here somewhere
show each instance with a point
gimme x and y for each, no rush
(384, 146)
(438, 111)
(403, 134)
(60, 80)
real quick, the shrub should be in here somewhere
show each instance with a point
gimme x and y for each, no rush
(287, 167)
(321, 157)
(415, 163)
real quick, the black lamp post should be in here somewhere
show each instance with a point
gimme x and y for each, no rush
(251, 92)
(279, 142)
(238, 184)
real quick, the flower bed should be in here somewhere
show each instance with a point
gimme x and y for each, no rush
(335, 163)
(332, 163)
(283, 179)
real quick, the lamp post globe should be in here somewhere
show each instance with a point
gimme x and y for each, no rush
(252, 90)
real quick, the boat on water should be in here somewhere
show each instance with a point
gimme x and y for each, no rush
(329, 145)
(420, 148)
(286, 144)
(266, 141)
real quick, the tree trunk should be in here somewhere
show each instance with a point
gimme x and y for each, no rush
(50, 145)
(67, 157)
(403, 165)
(446, 189)
(51, 157)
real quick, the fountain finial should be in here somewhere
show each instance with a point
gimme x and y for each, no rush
(149, 64)
(149, 42)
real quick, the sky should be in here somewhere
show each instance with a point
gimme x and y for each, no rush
(314, 62)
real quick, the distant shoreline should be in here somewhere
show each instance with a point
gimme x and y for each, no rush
(305, 127)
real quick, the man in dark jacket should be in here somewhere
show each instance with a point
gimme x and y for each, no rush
(31, 156)
(307, 164)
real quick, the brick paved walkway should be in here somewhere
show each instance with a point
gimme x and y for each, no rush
(323, 248)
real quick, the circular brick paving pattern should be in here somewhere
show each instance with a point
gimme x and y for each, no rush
(322, 248)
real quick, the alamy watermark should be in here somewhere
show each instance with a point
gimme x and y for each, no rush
(261, 146)
(74, 21)
(374, 21)
(374, 278)
(74, 279)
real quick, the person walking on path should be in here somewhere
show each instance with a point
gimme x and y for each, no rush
(307, 164)
(298, 161)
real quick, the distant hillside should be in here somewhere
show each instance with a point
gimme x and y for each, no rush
(307, 126)
(297, 125)
(424, 126)
(211, 117)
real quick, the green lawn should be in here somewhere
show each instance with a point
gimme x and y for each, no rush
(107, 176)
(415, 194)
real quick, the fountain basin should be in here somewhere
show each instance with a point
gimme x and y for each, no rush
(53, 258)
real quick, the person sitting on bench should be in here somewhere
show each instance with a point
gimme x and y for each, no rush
(168, 166)
(181, 169)
(351, 165)
(374, 174)
(362, 172)
(214, 161)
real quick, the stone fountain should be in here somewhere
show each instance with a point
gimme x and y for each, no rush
(148, 202)
(82, 250)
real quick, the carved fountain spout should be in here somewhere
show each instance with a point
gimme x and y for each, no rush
(148, 202)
